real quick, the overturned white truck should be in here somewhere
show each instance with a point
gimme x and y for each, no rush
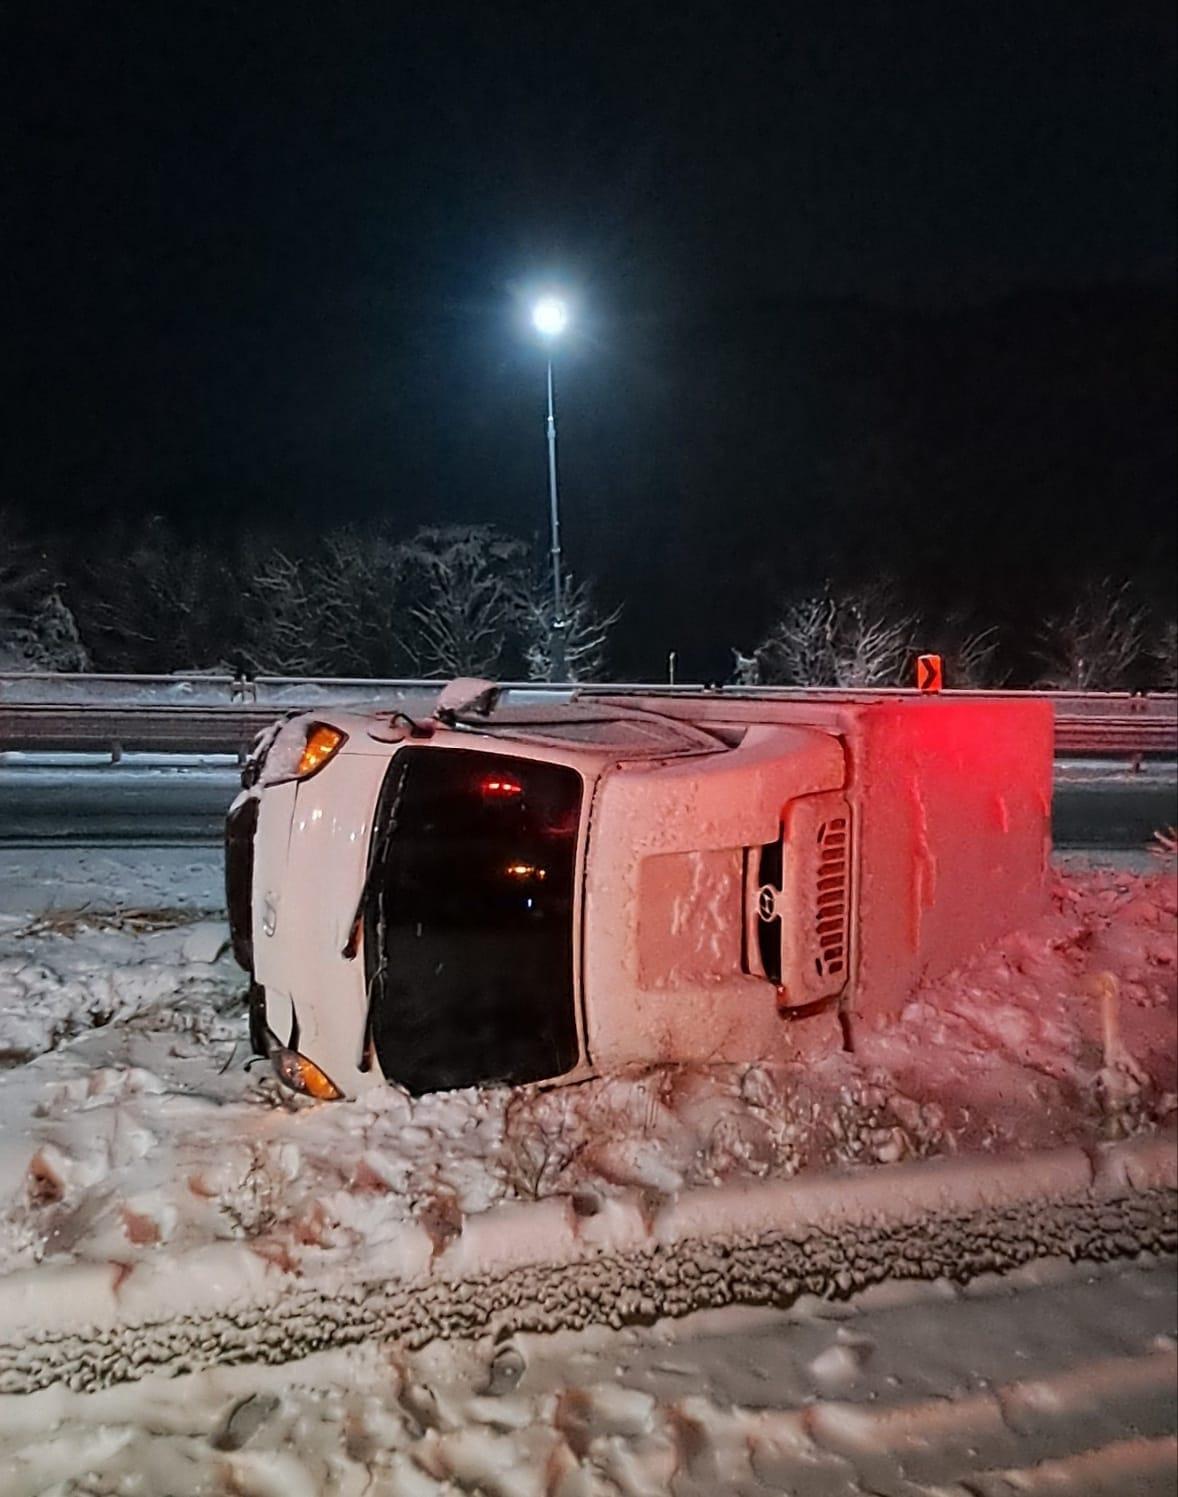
(537, 893)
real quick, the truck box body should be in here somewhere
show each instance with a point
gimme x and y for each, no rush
(693, 877)
(948, 808)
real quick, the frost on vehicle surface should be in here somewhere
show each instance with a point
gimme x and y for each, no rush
(533, 893)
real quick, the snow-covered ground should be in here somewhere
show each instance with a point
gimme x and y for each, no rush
(40, 879)
(145, 1173)
(131, 1132)
(1057, 1379)
(200, 689)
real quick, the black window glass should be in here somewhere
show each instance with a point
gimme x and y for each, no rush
(469, 928)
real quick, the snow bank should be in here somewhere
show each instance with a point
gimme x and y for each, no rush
(146, 1179)
(63, 974)
(928, 1222)
(1058, 1031)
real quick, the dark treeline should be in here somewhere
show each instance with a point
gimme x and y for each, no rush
(459, 600)
(472, 600)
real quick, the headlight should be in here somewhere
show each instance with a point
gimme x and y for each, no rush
(301, 750)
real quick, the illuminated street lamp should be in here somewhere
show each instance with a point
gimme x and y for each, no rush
(550, 318)
(550, 315)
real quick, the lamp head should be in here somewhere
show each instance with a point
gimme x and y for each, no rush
(550, 316)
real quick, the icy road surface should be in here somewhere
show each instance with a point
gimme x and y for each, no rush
(1059, 1379)
(84, 799)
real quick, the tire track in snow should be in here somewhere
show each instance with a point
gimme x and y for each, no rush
(1092, 1401)
(1140, 1466)
(772, 1266)
(1051, 1381)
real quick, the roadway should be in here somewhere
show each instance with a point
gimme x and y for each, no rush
(174, 800)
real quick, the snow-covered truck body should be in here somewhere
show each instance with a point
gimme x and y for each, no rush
(539, 894)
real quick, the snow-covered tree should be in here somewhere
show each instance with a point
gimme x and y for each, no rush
(54, 643)
(279, 625)
(335, 610)
(151, 601)
(872, 644)
(357, 586)
(746, 669)
(799, 649)
(464, 583)
(586, 630)
(38, 631)
(1097, 643)
(837, 639)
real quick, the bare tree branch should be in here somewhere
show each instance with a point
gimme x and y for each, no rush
(969, 650)
(356, 583)
(149, 601)
(1094, 646)
(849, 639)
(280, 634)
(871, 644)
(586, 630)
(464, 581)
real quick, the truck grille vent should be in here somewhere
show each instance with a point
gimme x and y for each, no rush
(831, 901)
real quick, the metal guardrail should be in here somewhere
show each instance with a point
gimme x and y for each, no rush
(55, 689)
(1087, 724)
(85, 728)
(1117, 737)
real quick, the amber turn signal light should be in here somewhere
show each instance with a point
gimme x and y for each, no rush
(303, 1075)
(323, 743)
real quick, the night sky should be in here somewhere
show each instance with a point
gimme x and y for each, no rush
(860, 289)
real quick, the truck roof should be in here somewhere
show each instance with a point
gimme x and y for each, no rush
(609, 729)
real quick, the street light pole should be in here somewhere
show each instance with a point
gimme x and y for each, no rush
(558, 622)
(550, 318)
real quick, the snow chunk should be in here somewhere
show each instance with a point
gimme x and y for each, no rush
(205, 941)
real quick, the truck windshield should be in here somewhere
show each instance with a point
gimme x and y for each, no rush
(469, 927)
